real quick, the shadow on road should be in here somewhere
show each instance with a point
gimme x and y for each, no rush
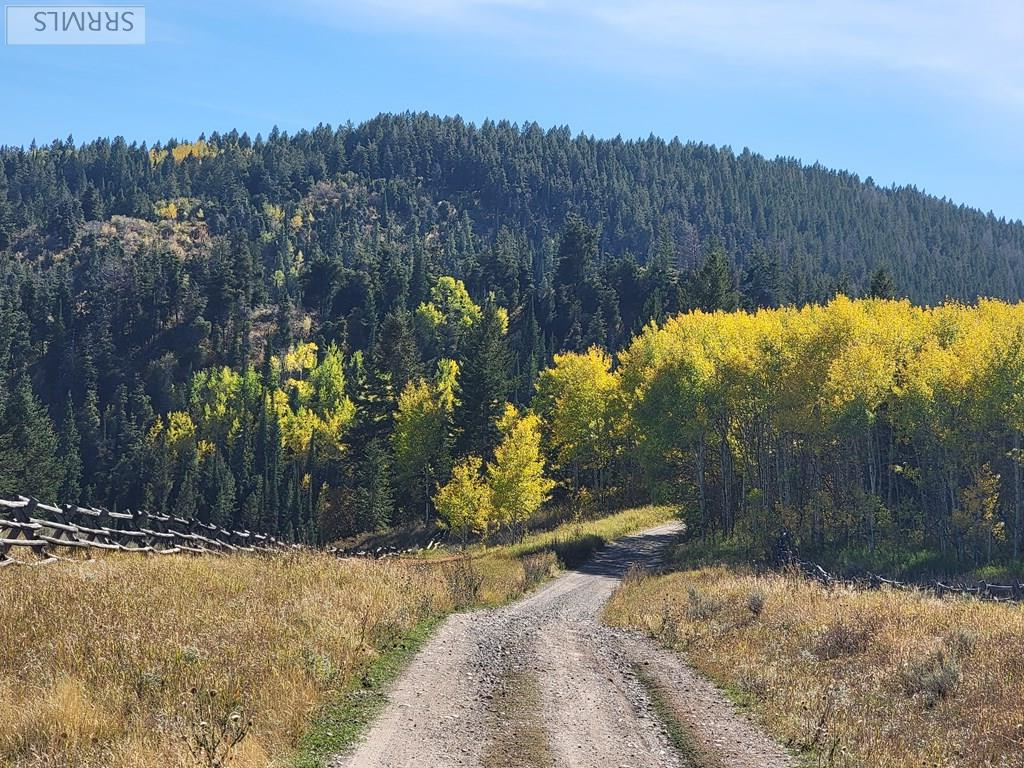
(646, 550)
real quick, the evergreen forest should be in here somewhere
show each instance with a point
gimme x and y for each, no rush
(352, 328)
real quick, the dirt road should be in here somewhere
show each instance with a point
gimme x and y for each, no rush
(542, 684)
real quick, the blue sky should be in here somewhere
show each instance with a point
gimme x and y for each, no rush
(924, 93)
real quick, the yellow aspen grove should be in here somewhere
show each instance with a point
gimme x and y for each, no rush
(420, 437)
(869, 426)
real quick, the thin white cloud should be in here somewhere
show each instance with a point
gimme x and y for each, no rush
(980, 40)
(974, 47)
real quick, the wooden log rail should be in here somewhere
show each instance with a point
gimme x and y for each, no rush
(42, 530)
(379, 553)
(983, 590)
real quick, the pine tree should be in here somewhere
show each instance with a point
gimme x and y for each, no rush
(186, 501)
(799, 290)
(374, 400)
(597, 330)
(39, 469)
(134, 419)
(397, 352)
(882, 285)
(484, 383)
(243, 470)
(374, 498)
(577, 253)
(714, 283)
(6, 225)
(268, 469)
(533, 354)
(66, 221)
(576, 260)
(422, 279)
(160, 471)
(612, 318)
(11, 466)
(69, 450)
(217, 490)
(761, 280)
(92, 204)
(92, 444)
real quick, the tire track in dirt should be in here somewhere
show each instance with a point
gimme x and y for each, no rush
(541, 683)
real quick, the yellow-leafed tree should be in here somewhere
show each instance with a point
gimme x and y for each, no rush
(578, 399)
(422, 428)
(516, 476)
(464, 502)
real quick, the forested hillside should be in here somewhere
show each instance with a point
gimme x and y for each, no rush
(304, 334)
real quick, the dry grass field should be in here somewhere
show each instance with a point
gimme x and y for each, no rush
(135, 662)
(114, 662)
(853, 679)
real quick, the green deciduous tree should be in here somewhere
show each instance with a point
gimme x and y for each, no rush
(444, 322)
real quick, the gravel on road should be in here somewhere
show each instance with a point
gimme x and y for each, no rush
(541, 683)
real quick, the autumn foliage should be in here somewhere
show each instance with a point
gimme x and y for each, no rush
(503, 495)
(864, 425)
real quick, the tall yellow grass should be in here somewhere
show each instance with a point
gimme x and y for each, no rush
(98, 660)
(881, 679)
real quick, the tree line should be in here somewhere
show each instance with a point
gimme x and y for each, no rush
(875, 428)
(309, 334)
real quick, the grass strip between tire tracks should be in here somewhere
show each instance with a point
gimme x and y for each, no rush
(679, 733)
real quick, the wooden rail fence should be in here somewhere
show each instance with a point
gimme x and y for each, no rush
(981, 590)
(379, 553)
(43, 530)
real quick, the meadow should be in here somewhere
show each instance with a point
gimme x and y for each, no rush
(847, 678)
(134, 662)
